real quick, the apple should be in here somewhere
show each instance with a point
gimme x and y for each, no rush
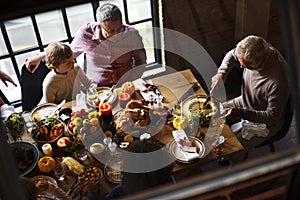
(62, 142)
(76, 130)
(71, 125)
(86, 122)
(77, 121)
(93, 114)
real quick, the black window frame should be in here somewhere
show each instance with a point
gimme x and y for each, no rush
(41, 47)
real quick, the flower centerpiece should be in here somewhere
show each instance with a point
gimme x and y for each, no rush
(15, 124)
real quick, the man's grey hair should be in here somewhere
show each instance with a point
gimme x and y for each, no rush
(253, 49)
(108, 12)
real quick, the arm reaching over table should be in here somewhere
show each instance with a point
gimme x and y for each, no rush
(33, 63)
(6, 78)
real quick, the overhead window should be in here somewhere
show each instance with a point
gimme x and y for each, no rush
(27, 36)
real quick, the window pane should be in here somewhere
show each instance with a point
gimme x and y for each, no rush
(146, 31)
(3, 49)
(51, 26)
(138, 10)
(79, 15)
(11, 92)
(20, 32)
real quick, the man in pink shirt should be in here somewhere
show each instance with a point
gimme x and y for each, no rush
(112, 49)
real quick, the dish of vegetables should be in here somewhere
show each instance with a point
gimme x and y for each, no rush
(47, 130)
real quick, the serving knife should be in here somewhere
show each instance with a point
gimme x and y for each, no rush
(162, 118)
(191, 90)
(206, 101)
(57, 108)
(107, 94)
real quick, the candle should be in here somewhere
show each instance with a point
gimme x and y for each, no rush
(47, 149)
(123, 99)
(105, 109)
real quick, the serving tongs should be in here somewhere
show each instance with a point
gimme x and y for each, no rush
(107, 94)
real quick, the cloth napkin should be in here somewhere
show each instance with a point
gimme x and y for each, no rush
(6, 111)
(184, 144)
(251, 129)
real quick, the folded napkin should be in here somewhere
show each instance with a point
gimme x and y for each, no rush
(188, 150)
(6, 111)
(250, 129)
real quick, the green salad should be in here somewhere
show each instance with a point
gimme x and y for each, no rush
(14, 124)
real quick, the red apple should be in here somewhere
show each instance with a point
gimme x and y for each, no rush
(62, 142)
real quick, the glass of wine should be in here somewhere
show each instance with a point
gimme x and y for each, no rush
(59, 170)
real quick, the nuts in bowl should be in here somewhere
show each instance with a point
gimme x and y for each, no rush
(48, 130)
(92, 174)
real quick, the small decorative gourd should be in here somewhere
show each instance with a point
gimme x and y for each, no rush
(128, 87)
(46, 164)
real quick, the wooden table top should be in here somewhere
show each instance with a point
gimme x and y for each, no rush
(171, 86)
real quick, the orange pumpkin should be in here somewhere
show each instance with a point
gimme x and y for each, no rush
(128, 87)
(46, 164)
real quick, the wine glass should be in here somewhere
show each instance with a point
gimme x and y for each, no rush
(92, 93)
(59, 170)
(113, 148)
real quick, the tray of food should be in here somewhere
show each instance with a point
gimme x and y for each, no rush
(43, 111)
(26, 156)
(92, 174)
(48, 130)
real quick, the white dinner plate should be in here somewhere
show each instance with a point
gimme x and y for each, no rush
(178, 154)
(113, 169)
(101, 91)
(37, 178)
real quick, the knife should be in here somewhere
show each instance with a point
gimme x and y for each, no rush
(184, 96)
(57, 108)
(72, 187)
(107, 94)
(206, 101)
(162, 118)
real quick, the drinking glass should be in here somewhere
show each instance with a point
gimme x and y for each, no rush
(59, 170)
(28, 122)
(113, 148)
(107, 141)
(82, 155)
(92, 93)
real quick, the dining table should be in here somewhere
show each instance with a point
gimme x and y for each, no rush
(171, 86)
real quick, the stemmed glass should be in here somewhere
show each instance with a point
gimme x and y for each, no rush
(113, 148)
(59, 170)
(107, 141)
(92, 93)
